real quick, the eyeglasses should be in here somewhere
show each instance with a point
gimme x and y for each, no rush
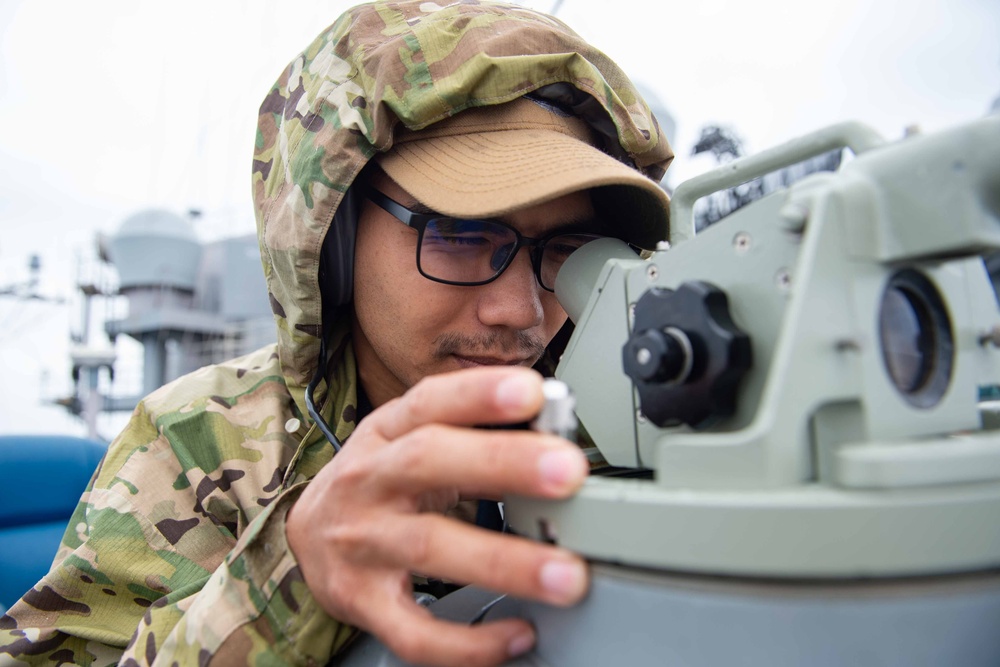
(456, 251)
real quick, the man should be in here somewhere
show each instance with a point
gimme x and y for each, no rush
(412, 294)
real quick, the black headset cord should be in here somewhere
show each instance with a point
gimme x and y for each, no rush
(310, 403)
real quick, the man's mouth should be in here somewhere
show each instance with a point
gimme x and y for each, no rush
(468, 361)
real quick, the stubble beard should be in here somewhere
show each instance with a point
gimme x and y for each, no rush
(519, 343)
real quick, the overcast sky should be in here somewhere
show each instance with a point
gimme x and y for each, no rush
(111, 106)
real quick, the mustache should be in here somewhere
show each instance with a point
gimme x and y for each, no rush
(510, 343)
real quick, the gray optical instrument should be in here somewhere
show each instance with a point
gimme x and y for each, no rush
(809, 384)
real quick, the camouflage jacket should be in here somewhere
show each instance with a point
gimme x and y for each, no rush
(177, 552)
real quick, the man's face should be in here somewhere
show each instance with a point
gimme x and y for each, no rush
(407, 326)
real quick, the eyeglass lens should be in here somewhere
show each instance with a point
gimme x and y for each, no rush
(473, 251)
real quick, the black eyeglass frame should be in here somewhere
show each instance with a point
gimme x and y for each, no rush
(419, 222)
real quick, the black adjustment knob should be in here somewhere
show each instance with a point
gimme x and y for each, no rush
(686, 357)
(655, 356)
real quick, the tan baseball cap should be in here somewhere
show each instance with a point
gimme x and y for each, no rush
(489, 161)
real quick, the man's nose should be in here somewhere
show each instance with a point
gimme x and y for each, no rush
(514, 299)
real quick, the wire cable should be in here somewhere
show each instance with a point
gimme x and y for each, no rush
(311, 404)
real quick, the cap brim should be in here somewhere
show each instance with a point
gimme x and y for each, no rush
(491, 173)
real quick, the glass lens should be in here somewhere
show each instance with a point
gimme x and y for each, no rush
(557, 249)
(907, 340)
(465, 251)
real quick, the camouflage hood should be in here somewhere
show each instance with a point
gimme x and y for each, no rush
(389, 64)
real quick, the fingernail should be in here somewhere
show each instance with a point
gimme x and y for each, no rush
(517, 392)
(561, 467)
(520, 644)
(563, 580)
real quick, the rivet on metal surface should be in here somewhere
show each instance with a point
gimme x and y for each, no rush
(652, 272)
(783, 279)
(742, 243)
(847, 345)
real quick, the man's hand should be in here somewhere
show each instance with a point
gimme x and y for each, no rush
(375, 514)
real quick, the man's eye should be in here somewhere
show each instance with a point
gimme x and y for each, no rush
(460, 240)
(564, 246)
(468, 233)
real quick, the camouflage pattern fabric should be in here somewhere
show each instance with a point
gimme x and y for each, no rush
(178, 545)
(177, 552)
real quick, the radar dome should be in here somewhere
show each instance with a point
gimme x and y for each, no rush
(156, 248)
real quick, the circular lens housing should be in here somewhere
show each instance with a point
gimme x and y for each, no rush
(917, 344)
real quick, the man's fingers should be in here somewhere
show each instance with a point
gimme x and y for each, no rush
(438, 547)
(488, 395)
(482, 463)
(417, 637)
(418, 453)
